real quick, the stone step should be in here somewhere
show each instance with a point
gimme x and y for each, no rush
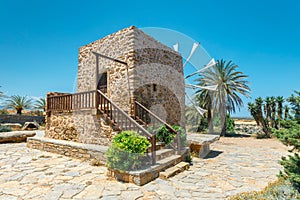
(172, 171)
(163, 153)
(158, 146)
(141, 177)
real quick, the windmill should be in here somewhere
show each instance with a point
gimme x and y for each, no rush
(194, 86)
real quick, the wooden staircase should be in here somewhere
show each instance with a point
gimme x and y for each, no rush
(160, 156)
(137, 122)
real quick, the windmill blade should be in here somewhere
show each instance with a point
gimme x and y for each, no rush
(175, 46)
(210, 87)
(211, 63)
(201, 111)
(195, 46)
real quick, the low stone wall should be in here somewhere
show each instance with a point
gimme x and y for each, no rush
(67, 148)
(21, 119)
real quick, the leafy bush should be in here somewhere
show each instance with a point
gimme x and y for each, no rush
(182, 135)
(291, 137)
(5, 129)
(164, 135)
(3, 112)
(230, 126)
(279, 190)
(127, 151)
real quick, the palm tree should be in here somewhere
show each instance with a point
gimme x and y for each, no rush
(1, 93)
(231, 83)
(262, 121)
(273, 112)
(205, 101)
(286, 112)
(18, 103)
(294, 101)
(258, 103)
(268, 108)
(41, 104)
(192, 117)
(280, 101)
(253, 111)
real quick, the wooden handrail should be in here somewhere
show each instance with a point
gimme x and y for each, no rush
(156, 117)
(69, 102)
(111, 111)
(138, 105)
(124, 114)
(97, 99)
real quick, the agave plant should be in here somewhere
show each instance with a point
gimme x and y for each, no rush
(18, 103)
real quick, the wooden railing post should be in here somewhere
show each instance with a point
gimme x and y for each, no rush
(153, 149)
(96, 95)
(178, 142)
(133, 107)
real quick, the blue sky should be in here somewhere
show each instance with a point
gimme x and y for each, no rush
(39, 39)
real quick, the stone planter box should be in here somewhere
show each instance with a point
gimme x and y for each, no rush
(142, 177)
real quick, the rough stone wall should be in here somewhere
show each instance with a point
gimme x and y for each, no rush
(118, 45)
(79, 126)
(163, 102)
(156, 64)
(149, 62)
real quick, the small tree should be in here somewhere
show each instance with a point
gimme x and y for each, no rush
(294, 100)
(18, 103)
(290, 136)
(257, 113)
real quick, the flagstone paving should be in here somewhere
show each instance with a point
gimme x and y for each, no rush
(235, 165)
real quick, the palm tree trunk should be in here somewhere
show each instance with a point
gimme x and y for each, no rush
(19, 111)
(210, 122)
(223, 119)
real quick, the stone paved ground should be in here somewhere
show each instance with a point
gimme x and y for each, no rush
(236, 165)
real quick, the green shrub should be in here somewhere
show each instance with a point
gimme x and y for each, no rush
(3, 112)
(279, 190)
(127, 151)
(5, 129)
(182, 135)
(291, 137)
(164, 135)
(230, 126)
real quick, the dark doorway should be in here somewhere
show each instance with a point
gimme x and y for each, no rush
(102, 83)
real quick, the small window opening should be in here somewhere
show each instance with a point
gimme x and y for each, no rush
(154, 87)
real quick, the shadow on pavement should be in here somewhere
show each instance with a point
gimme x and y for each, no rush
(213, 154)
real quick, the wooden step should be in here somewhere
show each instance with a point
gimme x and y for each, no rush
(172, 171)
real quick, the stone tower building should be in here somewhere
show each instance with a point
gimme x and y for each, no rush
(148, 72)
(153, 75)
